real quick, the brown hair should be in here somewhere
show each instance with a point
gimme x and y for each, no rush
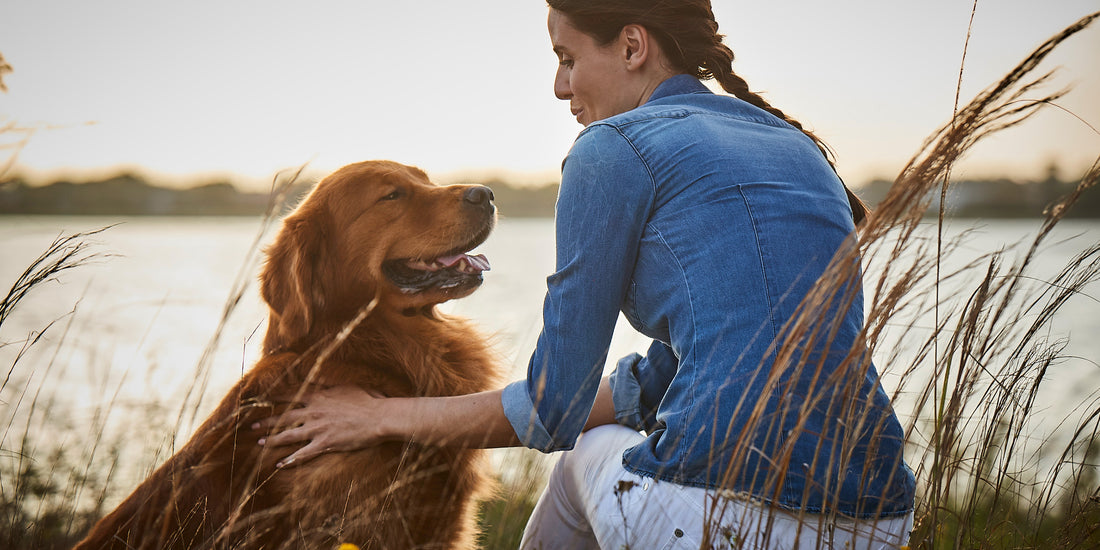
(688, 35)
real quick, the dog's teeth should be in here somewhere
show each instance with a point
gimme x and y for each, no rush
(461, 263)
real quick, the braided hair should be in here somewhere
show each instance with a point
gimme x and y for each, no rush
(688, 35)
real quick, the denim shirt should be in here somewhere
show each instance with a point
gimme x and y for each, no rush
(705, 220)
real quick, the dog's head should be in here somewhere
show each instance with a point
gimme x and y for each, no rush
(374, 230)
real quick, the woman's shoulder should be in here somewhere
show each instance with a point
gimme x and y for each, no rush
(600, 139)
(676, 124)
(691, 106)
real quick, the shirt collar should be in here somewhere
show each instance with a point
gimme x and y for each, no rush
(676, 85)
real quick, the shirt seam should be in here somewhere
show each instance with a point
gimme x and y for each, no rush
(690, 357)
(681, 112)
(632, 293)
(641, 159)
(760, 256)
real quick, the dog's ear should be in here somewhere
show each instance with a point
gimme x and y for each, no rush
(291, 282)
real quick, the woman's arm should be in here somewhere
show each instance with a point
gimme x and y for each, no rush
(606, 196)
(603, 409)
(346, 418)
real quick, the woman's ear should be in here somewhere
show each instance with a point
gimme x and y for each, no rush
(634, 40)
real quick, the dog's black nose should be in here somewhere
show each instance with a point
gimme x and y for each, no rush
(478, 195)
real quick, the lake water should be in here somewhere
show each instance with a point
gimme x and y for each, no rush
(130, 328)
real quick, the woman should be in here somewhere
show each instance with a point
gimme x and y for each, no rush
(706, 220)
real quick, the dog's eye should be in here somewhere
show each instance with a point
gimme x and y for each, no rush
(392, 196)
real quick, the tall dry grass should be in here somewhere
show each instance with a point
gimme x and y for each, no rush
(962, 341)
(972, 386)
(38, 487)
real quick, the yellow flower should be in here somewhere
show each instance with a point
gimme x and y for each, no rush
(348, 546)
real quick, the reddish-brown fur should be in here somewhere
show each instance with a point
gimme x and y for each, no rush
(323, 271)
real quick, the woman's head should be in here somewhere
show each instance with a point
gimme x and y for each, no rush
(685, 29)
(604, 76)
(686, 34)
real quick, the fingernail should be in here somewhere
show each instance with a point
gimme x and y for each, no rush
(262, 441)
(255, 425)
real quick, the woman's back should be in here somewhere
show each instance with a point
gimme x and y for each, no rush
(737, 215)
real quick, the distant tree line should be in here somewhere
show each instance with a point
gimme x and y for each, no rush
(130, 195)
(127, 195)
(999, 198)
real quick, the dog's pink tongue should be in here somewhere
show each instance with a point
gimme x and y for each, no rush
(476, 263)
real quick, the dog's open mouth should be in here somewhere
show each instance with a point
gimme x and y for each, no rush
(445, 272)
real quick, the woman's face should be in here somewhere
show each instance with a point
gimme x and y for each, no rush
(592, 77)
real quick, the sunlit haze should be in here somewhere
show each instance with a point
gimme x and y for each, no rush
(245, 89)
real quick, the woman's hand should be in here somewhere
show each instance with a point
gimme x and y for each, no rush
(341, 418)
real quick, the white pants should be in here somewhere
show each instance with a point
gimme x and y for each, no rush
(591, 501)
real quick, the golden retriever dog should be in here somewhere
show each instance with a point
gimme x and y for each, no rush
(352, 281)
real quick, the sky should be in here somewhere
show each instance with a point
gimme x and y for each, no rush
(245, 89)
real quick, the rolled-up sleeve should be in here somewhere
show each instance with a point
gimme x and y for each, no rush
(639, 383)
(604, 201)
